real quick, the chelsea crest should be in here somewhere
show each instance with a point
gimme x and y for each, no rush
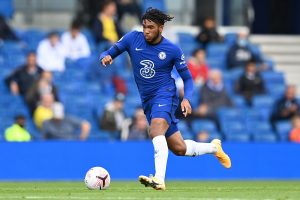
(162, 55)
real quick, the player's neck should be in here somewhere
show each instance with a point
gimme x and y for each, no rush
(157, 40)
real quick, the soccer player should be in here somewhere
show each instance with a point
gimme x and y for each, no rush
(153, 58)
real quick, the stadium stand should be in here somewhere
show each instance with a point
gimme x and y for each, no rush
(85, 97)
(6, 8)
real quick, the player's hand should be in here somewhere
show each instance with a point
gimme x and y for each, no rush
(107, 60)
(186, 107)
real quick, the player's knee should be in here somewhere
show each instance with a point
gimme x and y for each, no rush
(158, 127)
(180, 150)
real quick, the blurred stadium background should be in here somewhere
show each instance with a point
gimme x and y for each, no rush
(259, 148)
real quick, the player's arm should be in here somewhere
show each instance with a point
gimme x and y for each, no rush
(122, 45)
(186, 76)
(188, 90)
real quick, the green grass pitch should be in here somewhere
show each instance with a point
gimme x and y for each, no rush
(130, 190)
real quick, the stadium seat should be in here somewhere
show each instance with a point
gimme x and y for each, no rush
(235, 131)
(230, 38)
(90, 38)
(74, 74)
(158, 4)
(32, 37)
(99, 110)
(103, 135)
(8, 100)
(109, 135)
(185, 130)
(229, 114)
(83, 63)
(12, 47)
(69, 87)
(184, 37)
(263, 101)
(5, 123)
(270, 63)
(237, 137)
(276, 90)
(133, 100)
(182, 126)
(263, 106)
(238, 101)
(266, 136)
(255, 49)
(3, 88)
(7, 8)
(233, 126)
(217, 50)
(209, 137)
(214, 135)
(236, 73)
(229, 87)
(265, 113)
(93, 88)
(195, 99)
(199, 125)
(33, 130)
(15, 60)
(132, 88)
(188, 48)
(273, 77)
(258, 127)
(129, 110)
(4, 72)
(251, 114)
(215, 63)
(283, 129)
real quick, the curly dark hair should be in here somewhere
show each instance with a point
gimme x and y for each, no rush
(156, 16)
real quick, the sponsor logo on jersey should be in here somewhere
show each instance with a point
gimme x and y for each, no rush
(148, 70)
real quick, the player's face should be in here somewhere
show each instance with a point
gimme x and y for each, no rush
(152, 31)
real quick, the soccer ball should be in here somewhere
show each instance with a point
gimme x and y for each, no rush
(97, 178)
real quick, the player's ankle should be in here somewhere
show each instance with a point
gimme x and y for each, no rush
(160, 180)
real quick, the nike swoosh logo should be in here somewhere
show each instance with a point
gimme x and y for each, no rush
(160, 105)
(137, 49)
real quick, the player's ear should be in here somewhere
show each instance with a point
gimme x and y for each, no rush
(160, 28)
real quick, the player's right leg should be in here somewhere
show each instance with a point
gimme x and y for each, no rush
(158, 127)
(182, 147)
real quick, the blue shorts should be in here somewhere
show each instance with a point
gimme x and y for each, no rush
(163, 108)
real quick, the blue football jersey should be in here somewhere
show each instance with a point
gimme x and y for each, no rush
(152, 64)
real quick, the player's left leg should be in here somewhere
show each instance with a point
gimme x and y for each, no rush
(182, 147)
